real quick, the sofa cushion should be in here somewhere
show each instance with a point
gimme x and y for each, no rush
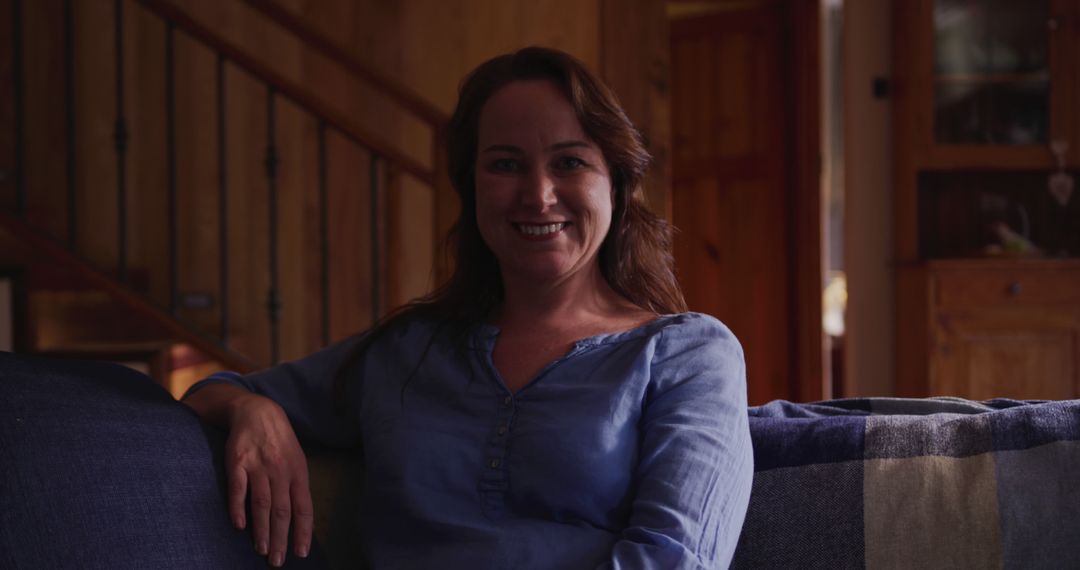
(101, 468)
(914, 483)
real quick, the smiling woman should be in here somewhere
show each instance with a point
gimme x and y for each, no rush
(550, 406)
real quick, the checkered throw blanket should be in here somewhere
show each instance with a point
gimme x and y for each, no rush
(914, 483)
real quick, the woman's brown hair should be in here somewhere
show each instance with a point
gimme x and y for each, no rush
(635, 257)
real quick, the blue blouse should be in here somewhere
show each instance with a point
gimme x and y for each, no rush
(631, 451)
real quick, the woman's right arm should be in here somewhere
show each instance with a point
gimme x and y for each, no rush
(264, 413)
(263, 458)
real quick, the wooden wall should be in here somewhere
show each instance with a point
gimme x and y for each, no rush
(428, 45)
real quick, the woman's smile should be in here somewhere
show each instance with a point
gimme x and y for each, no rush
(540, 232)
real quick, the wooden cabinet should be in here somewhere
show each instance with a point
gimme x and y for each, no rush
(988, 259)
(1008, 330)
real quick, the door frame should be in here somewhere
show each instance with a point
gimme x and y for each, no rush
(804, 19)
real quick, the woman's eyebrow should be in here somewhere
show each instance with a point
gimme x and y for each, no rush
(504, 148)
(570, 144)
(555, 147)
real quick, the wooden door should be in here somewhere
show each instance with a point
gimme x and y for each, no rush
(731, 199)
(1028, 355)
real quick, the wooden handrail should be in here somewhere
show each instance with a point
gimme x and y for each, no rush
(47, 248)
(288, 88)
(314, 39)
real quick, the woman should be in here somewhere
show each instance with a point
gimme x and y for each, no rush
(551, 406)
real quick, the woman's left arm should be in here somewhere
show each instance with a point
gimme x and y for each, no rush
(696, 462)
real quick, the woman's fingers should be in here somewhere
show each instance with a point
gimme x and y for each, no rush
(277, 504)
(280, 517)
(238, 489)
(303, 517)
(260, 512)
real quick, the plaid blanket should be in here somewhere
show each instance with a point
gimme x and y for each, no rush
(914, 483)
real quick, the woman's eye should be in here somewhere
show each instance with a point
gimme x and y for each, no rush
(569, 163)
(505, 165)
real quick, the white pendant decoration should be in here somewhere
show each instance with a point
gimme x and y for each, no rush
(1061, 183)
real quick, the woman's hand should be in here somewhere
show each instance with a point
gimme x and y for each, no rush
(263, 458)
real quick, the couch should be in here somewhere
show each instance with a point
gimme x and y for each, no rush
(101, 468)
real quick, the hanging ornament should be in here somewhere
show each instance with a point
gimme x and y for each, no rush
(1061, 183)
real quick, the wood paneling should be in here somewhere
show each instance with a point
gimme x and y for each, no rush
(635, 63)
(197, 178)
(146, 161)
(298, 218)
(7, 113)
(95, 96)
(44, 172)
(349, 213)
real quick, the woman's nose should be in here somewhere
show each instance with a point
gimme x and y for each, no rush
(538, 192)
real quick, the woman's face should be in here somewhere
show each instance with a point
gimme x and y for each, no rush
(543, 191)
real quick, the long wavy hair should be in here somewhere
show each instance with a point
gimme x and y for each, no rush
(635, 256)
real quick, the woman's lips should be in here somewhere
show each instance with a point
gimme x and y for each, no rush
(540, 231)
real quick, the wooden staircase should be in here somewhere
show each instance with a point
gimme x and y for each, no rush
(171, 196)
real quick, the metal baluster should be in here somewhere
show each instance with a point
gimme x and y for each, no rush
(120, 135)
(273, 303)
(223, 204)
(69, 108)
(324, 239)
(18, 80)
(376, 242)
(170, 128)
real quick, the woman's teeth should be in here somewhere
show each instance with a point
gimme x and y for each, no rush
(540, 229)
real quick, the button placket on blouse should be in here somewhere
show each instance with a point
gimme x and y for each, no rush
(494, 478)
(499, 441)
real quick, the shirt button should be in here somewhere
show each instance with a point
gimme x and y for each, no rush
(502, 430)
(507, 400)
(494, 464)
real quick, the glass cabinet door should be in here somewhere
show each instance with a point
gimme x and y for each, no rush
(992, 73)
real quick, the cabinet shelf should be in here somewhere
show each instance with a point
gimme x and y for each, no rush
(960, 211)
(990, 78)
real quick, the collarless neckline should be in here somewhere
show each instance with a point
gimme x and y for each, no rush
(487, 333)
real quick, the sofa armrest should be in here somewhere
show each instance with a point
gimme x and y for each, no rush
(101, 468)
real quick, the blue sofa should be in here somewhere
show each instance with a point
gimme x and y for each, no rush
(101, 468)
